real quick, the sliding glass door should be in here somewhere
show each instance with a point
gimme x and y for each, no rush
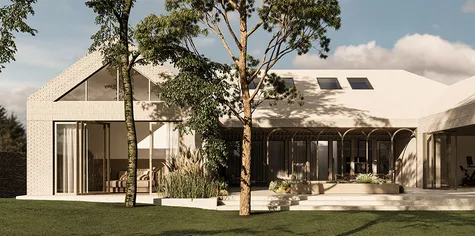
(81, 157)
(95, 158)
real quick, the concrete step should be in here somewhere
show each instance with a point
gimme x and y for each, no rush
(440, 202)
(380, 208)
(253, 208)
(260, 202)
(270, 197)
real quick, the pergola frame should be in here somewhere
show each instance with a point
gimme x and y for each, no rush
(342, 134)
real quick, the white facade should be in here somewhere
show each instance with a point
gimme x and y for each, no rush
(399, 99)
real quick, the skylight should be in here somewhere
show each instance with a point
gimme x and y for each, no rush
(360, 83)
(328, 83)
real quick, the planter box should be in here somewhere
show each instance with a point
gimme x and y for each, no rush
(320, 188)
(202, 203)
(301, 188)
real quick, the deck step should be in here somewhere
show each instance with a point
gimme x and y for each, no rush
(381, 208)
(348, 208)
(253, 208)
(439, 202)
(260, 202)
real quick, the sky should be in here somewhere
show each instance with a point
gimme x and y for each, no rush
(432, 38)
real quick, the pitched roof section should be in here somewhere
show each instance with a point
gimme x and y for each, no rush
(84, 68)
(459, 94)
(398, 98)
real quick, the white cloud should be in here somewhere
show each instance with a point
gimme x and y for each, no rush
(469, 6)
(51, 55)
(14, 100)
(426, 55)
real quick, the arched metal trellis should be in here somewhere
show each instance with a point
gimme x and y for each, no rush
(393, 155)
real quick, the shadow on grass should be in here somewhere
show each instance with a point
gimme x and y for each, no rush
(425, 221)
(243, 231)
(264, 212)
(122, 205)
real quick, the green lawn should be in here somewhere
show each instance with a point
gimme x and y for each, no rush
(80, 218)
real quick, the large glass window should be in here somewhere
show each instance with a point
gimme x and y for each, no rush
(103, 86)
(77, 94)
(141, 86)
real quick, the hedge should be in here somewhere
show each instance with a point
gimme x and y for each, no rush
(12, 174)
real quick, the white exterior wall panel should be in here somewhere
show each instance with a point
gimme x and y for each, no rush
(39, 163)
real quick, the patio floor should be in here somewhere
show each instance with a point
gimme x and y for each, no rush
(265, 200)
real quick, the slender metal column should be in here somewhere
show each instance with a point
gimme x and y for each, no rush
(391, 162)
(342, 161)
(330, 160)
(104, 159)
(107, 154)
(150, 156)
(367, 156)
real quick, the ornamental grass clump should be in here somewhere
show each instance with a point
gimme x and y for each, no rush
(188, 177)
(279, 186)
(368, 179)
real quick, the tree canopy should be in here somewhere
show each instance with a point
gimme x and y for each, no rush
(12, 133)
(13, 20)
(292, 26)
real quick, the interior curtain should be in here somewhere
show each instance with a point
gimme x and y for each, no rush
(69, 154)
(173, 138)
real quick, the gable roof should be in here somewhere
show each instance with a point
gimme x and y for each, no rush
(399, 98)
(83, 69)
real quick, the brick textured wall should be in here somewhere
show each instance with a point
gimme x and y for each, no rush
(40, 158)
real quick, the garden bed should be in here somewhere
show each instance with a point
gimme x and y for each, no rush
(202, 203)
(321, 188)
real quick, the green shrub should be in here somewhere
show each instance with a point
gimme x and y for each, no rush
(190, 185)
(188, 177)
(368, 179)
(279, 186)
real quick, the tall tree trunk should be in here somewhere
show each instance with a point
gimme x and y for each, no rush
(125, 67)
(245, 196)
(131, 184)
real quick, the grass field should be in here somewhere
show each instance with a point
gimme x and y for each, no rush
(79, 218)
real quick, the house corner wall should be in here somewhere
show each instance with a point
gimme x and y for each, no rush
(39, 158)
(406, 161)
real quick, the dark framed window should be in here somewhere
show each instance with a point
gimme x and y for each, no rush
(360, 83)
(328, 83)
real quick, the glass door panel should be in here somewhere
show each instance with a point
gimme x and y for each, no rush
(66, 157)
(94, 157)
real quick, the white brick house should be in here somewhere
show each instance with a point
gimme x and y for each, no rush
(389, 122)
